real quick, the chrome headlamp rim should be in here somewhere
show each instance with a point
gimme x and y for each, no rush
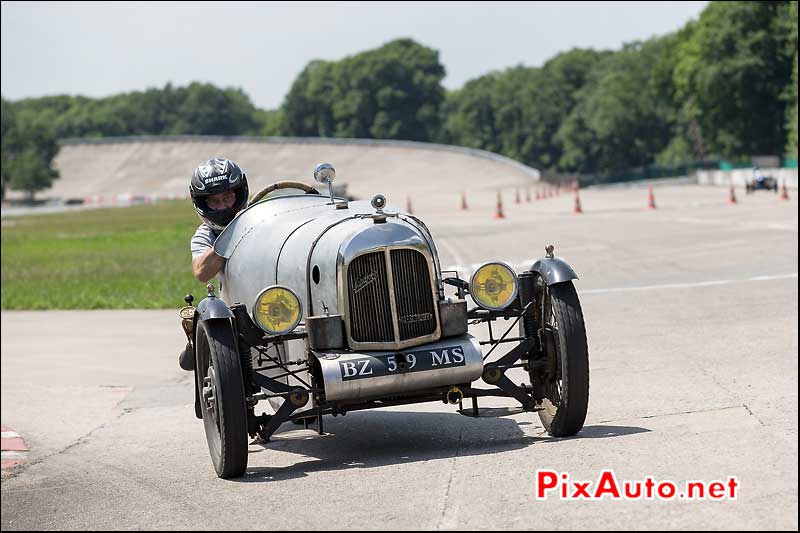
(258, 323)
(513, 295)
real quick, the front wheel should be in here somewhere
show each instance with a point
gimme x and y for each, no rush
(566, 390)
(222, 397)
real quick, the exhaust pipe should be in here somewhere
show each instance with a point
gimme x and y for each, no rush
(454, 396)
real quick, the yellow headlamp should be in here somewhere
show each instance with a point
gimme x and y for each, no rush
(493, 286)
(277, 310)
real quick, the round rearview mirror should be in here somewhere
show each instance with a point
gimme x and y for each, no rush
(324, 173)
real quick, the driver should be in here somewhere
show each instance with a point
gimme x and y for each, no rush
(219, 191)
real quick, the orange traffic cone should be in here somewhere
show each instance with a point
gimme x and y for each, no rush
(409, 209)
(499, 212)
(577, 209)
(651, 203)
(463, 201)
(732, 196)
(784, 192)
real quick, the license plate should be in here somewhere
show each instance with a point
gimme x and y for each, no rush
(402, 362)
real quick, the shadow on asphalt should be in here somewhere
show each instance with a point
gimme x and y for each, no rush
(604, 432)
(375, 439)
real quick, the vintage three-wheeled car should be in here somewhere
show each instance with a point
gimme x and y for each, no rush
(327, 306)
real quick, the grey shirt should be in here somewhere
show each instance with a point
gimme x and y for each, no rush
(202, 240)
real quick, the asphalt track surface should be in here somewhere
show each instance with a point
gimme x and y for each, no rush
(691, 313)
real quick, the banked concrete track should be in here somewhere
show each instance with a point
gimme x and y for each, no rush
(162, 165)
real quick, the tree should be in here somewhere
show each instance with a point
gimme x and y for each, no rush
(469, 113)
(30, 172)
(207, 110)
(622, 117)
(789, 21)
(731, 74)
(791, 145)
(28, 149)
(550, 98)
(8, 126)
(392, 92)
(270, 123)
(517, 112)
(307, 106)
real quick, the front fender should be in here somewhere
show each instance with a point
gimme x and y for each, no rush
(209, 308)
(212, 307)
(554, 270)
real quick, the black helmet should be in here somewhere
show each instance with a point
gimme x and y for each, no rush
(213, 177)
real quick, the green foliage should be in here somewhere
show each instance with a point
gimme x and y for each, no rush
(270, 123)
(719, 86)
(135, 257)
(198, 109)
(678, 151)
(393, 92)
(791, 116)
(30, 172)
(307, 109)
(8, 121)
(206, 110)
(624, 115)
(28, 149)
(470, 115)
(731, 75)
(790, 23)
(517, 112)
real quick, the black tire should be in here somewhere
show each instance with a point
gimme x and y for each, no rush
(565, 406)
(225, 425)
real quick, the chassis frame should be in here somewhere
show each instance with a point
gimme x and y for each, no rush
(536, 352)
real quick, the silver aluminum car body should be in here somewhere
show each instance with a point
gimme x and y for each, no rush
(306, 242)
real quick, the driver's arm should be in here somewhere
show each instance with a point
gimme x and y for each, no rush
(207, 265)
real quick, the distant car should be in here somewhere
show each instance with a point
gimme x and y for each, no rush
(378, 329)
(761, 182)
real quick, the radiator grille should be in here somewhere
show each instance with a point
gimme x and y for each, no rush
(370, 309)
(371, 316)
(412, 292)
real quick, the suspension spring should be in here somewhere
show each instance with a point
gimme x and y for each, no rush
(247, 367)
(527, 293)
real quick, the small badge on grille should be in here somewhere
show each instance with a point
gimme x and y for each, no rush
(360, 284)
(413, 319)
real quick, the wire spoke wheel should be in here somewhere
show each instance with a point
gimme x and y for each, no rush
(222, 397)
(566, 382)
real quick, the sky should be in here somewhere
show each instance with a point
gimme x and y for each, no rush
(102, 48)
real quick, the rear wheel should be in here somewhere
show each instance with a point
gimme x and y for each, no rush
(222, 397)
(566, 387)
